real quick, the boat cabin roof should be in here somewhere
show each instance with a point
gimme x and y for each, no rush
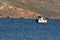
(45, 18)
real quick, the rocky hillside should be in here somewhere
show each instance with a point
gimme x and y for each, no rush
(49, 8)
(8, 11)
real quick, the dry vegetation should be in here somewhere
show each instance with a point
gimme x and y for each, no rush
(8, 11)
(49, 8)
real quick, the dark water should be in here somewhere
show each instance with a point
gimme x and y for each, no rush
(29, 29)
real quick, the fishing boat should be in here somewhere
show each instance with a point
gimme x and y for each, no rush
(42, 19)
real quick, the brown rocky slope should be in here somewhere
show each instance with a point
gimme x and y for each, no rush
(49, 8)
(8, 11)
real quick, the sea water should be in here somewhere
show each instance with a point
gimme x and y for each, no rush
(29, 29)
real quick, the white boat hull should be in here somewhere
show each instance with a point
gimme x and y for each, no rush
(42, 21)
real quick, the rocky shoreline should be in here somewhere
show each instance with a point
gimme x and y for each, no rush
(8, 11)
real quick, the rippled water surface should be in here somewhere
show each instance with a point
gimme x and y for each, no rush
(29, 29)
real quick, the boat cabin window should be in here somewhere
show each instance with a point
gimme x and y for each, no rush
(39, 17)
